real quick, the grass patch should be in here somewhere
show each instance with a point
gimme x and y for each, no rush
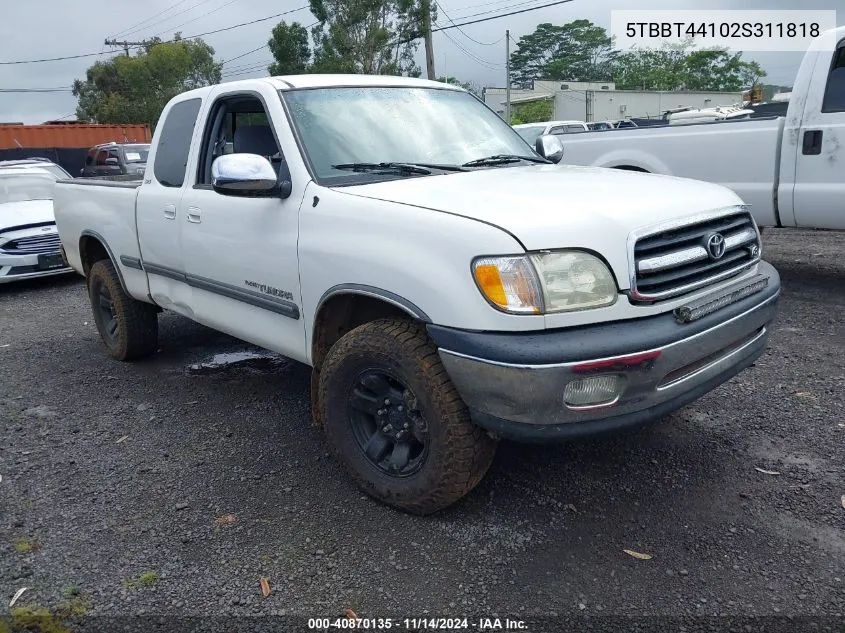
(26, 546)
(144, 580)
(36, 618)
(76, 607)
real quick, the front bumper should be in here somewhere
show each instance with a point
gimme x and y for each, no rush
(29, 266)
(514, 383)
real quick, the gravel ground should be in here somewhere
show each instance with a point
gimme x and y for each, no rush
(117, 480)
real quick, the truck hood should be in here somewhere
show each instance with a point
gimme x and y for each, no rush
(26, 212)
(557, 206)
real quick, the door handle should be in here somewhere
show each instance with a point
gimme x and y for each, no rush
(812, 143)
(170, 211)
(194, 215)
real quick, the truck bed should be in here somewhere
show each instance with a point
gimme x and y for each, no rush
(102, 208)
(743, 155)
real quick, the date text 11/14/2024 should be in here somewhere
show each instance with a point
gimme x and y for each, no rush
(417, 624)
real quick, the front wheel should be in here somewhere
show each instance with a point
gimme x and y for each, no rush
(128, 327)
(394, 419)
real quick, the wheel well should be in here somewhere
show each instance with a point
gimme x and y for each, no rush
(631, 168)
(91, 250)
(342, 313)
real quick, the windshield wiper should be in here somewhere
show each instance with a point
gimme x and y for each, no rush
(501, 159)
(406, 168)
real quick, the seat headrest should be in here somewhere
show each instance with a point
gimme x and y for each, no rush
(255, 139)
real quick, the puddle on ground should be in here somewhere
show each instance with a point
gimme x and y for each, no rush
(251, 360)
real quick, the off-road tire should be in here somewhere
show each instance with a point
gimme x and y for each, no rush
(459, 453)
(137, 322)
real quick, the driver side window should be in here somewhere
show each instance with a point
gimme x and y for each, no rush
(238, 125)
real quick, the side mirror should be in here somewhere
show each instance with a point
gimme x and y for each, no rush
(112, 162)
(246, 175)
(549, 147)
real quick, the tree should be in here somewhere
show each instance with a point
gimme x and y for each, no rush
(469, 86)
(532, 112)
(135, 89)
(576, 51)
(366, 36)
(680, 67)
(351, 36)
(291, 49)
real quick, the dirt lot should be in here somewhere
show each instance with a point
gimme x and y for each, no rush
(117, 479)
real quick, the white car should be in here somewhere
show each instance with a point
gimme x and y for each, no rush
(530, 132)
(29, 164)
(29, 241)
(447, 284)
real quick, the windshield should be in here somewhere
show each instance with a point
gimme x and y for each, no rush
(19, 188)
(136, 153)
(398, 124)
(530, 134)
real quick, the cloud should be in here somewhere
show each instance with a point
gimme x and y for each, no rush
(30, 34)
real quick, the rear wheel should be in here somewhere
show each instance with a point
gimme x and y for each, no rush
(128, 327)
(396, 422)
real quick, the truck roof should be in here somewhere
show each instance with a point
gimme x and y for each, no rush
(294, 82)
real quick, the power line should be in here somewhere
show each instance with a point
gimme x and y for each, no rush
(170, 17)
(472, 56)
(490, 4)
(501, 15)
(254, 50)
(187, 37)
(24, 90)
(439, 7)
(152, 17)
(204, 15)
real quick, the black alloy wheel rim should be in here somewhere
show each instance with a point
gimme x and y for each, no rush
(105, 309)
(387, 424)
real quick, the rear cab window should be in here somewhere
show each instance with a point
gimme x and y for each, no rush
(174, 146)
(834, 94)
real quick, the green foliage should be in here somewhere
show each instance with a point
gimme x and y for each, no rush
(576, 51)
(679, 67)
(26, 546)
(351, 36)
(135, 89)
(581, 51)
(532, 112)
(291, 49)
(143, 580)
(35, 618)
(466, 85)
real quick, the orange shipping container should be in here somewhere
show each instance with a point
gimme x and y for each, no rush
(73, 135)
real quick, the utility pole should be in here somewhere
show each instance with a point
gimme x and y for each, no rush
(508, 77)
(124, 45)
(425, 7)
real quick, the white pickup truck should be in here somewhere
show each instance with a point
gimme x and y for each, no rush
(448, 285)
(791, 169)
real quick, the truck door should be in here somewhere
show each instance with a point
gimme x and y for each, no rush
(819, 194)
(241, 252)
(158, 221)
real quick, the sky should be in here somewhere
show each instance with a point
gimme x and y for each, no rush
(38, 29)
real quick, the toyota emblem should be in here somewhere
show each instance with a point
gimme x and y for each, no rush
(716, 246)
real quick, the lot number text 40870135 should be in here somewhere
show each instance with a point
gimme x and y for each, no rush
(417, 624)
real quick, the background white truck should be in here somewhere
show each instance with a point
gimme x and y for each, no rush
(791, 169)
(448, 285)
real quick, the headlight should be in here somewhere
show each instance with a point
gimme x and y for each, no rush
(545, 283)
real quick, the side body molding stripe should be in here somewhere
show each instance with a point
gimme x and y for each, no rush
(266, 302)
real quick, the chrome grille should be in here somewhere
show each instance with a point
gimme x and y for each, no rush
(33, 244)
(680, 259)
